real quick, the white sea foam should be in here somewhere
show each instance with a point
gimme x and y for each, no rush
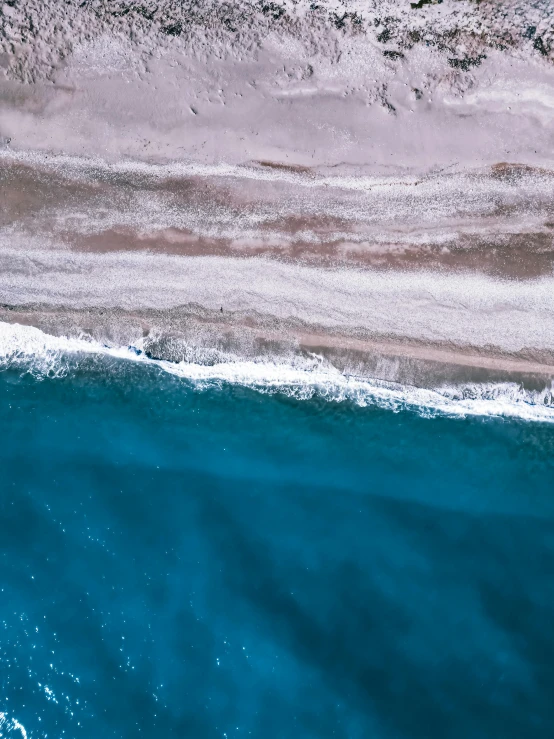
(8, 727)
(32, 351)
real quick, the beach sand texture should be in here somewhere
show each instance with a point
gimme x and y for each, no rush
(369, 181)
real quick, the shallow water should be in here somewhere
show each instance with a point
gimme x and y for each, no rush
(220, 562)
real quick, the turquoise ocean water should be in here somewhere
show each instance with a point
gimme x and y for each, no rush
(188, 559)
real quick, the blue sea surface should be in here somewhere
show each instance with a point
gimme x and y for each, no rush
(226, 563)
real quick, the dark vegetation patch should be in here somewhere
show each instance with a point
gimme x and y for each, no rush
(273, 9)
(466, 64)
(384, 36)
(146, 13)
(540, 46)
(421, 3)
(175, 29)
(394, 55)
(229, 25)
(530, 32)
(341, 21)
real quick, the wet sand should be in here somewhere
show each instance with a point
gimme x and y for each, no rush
(497, 220)
(196, 334)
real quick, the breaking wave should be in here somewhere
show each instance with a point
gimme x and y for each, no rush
(10, 727)
(42, 355)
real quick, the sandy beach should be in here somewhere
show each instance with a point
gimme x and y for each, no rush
(375, 185)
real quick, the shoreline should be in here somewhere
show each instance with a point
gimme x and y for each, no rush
(27, 349)
(205, 338)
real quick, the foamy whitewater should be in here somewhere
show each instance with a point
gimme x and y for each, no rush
(10, 726)
(45, 356)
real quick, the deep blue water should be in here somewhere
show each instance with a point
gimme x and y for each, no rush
(177, 563)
